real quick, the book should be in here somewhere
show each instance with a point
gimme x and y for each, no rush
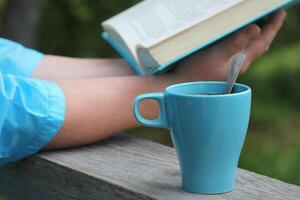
(154, 34)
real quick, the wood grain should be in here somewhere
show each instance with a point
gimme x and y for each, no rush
(123, 167)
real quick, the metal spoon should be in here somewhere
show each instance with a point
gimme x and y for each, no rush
(236, 65)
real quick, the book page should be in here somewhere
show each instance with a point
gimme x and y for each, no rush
(152, 21)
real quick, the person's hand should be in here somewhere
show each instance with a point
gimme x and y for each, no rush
(16, 59)
(212, 63)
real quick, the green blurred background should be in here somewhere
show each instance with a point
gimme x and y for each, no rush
(72, 28)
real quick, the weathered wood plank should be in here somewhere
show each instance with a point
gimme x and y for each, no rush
(122, 167)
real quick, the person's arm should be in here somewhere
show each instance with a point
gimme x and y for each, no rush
(59, 67)
(98, 108)
(19, 60)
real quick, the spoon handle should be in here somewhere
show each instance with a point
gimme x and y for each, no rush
(236, 65)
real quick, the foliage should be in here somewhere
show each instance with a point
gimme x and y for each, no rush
(2, 6)
(273, 143)
(78, 24)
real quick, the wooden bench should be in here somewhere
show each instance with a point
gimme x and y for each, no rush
(123, 167)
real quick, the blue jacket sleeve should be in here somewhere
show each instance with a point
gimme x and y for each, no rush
(16, 59)
(32, 112)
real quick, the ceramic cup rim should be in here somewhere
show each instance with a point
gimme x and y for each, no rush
(170, 89)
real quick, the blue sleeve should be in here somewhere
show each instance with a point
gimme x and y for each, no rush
(16, 59)
(32, 112)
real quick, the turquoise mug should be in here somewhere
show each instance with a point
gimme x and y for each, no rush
(207, 128)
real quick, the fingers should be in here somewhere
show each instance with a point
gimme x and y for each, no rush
(273, 25)
(269, 32)
(237, 42)
(262, 43)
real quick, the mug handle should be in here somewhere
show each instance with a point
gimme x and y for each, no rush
(161, 121)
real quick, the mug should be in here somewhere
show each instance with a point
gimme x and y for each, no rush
(208, 129)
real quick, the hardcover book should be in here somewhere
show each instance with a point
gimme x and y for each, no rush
(154, 34)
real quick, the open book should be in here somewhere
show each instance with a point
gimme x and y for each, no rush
(154, 34)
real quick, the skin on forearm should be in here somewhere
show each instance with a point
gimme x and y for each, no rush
(98, 108)
(65, 68)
